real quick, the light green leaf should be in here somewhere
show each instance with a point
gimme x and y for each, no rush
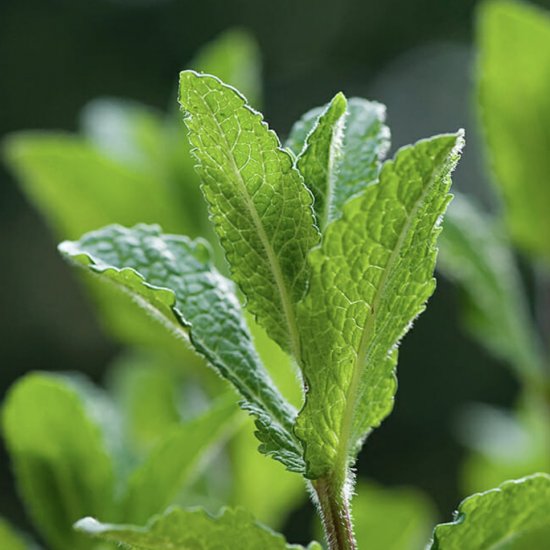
(319, 158)
(391, 518)
(79, 189)
(176, 460)
(503, 445)
(476, 254)
(60, 461)
(340, 155)
(258, 202)
(192, 529)
(514, 98)
(370, 278)
(145, 388)
(172, 278)
(234, 58)
(500, 519)
(10, 539)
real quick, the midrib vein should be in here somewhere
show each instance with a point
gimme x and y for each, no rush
(270, 253)
(359, 364)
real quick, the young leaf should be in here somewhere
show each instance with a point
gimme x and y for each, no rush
(500, 518)
(339, 154)
(370, 278)
(173, 279)
(175, 460)
(258, 202)
(514, 98)
(61, 465)
(320, 156)
(193, 529)
(475, 253)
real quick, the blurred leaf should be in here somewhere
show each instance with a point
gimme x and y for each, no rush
(514, 96)
(61, 465)
(391, 519)
(176, 460)
(504, 445)
(173, 279)
(475, 253)
(263, 485)
(10, 539)
(502, 518)
(234, 58)
(79, 189)
(257, 200)
(145, 389)
(192, 529)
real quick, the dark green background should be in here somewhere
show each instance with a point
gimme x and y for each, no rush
(416, 56)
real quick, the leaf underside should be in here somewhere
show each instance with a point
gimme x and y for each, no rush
(172, 278)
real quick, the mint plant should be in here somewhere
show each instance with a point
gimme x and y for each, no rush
(336, 287)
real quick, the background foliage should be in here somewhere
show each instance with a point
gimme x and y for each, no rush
(58, 55)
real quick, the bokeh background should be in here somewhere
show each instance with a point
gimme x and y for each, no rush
(416, 57)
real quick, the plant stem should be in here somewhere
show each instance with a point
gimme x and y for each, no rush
(335, 514)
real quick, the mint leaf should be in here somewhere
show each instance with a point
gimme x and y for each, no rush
(258, 202)
(502, 518)
(192, 529)
(370, 278)
(172, 278)
(476, 254)
(176, 459)
(514, 98)
(339, 155)
(320, 155)
(62, 468)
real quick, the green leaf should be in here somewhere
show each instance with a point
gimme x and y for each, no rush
(79, 189)
(391, 518)
(370, 278)
(175, 461)
(234, 58)
(500, 518)
(476, 254)
(172, 278)
(10, 539)
(319, 158)
(514, 98)
(145, 388)
(192, 529)
(339, 153)
(503, 445)
(59, 458)
(258, 202)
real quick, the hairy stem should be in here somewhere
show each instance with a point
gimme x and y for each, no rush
(335, 514)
